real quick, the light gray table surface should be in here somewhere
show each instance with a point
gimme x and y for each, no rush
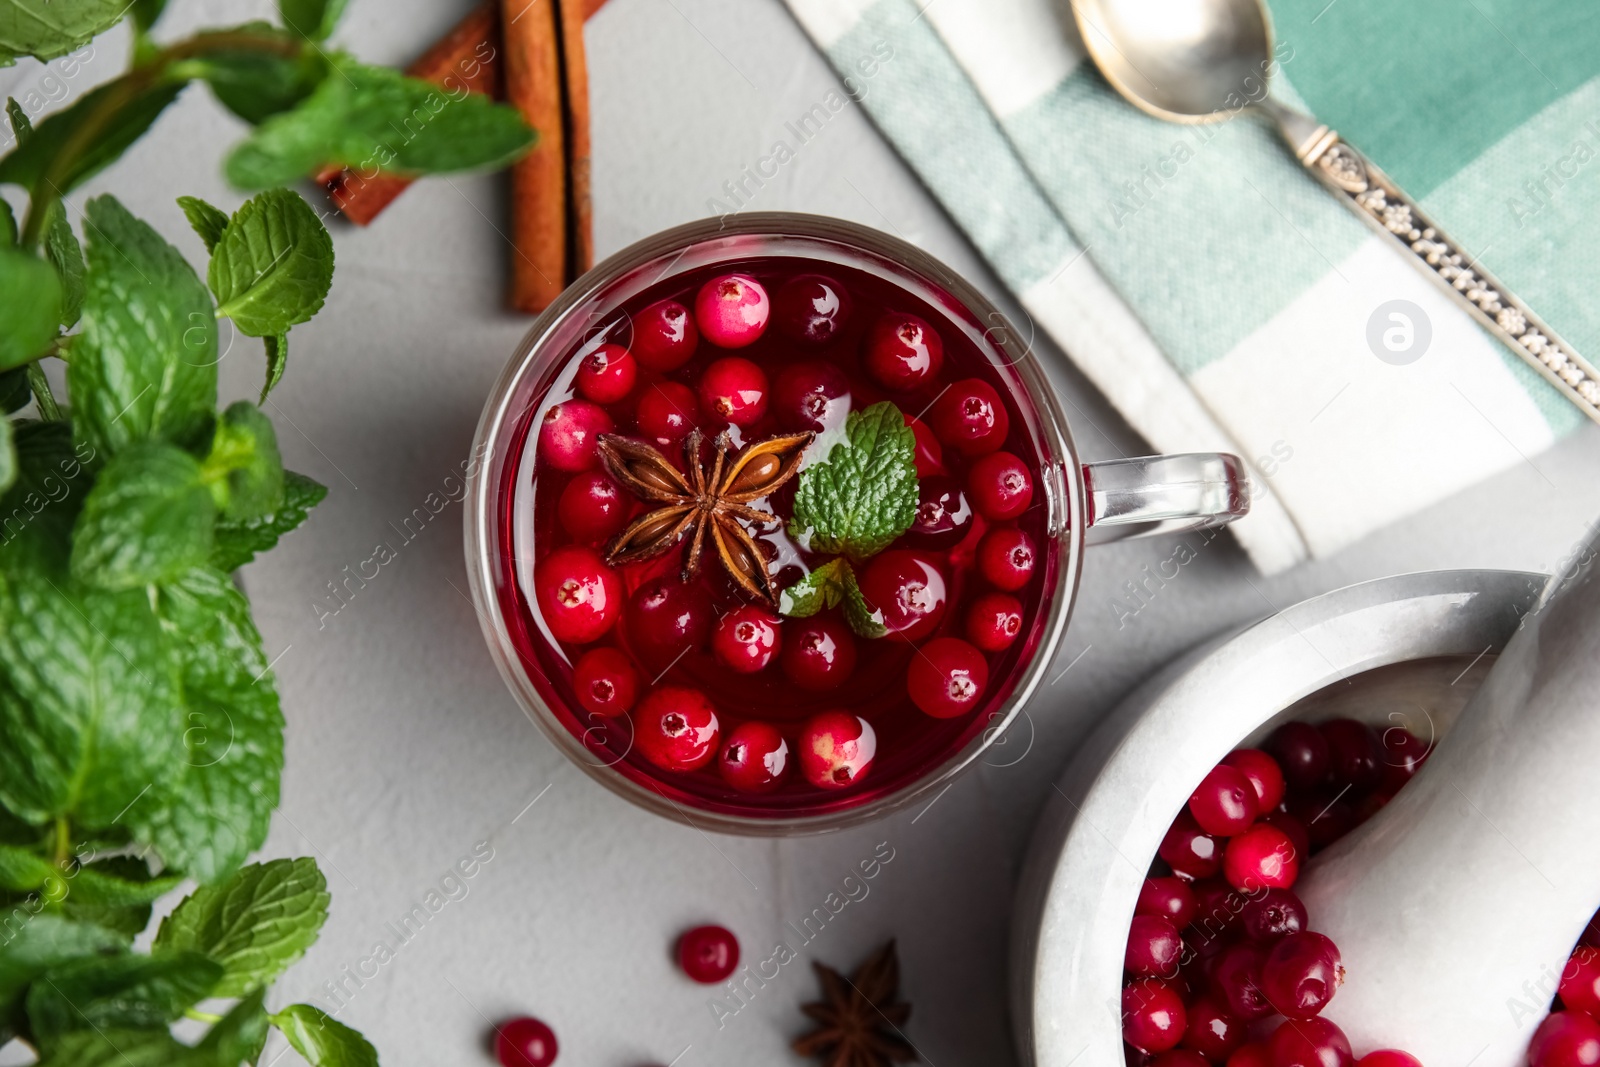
(404, 749)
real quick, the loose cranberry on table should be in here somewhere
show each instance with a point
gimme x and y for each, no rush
(1153, 1016)
(754, 757)
(1189, 850)
(1301, 974)
(1154, 948)
(969, 417)
(1311, 1043)
(1565, 1039)
(810, 395)
(606, 375)
(567, 435)
(902, 352)
(734, 390)
(994, 621)
(943, 515)
(708, 954)
(746, 639)
(1580, 981)
(676, 728)
(1266, 777)
(1169, 898)
(1236, 980)
(836, 749)
(579, 597)
(732, 311)
(667, 412)
(664, 336)
(1005, 558)
(1261, 857)
(818, 653)
(667, 617)
(593, 507)
(525, 1042)
(810, 309)
(1274, 914)
(947, 677)
(605, 682)
(927, 453)
(1388, 1057)
(1211, 1031)
(1224, 803)
(1001, 486)
(907, 588)
(1353, 755)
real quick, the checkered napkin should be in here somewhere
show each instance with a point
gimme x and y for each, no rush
(1219, 296)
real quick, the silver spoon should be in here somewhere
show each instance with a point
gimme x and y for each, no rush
(1202, 61)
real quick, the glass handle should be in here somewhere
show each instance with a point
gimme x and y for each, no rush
(1164, 494)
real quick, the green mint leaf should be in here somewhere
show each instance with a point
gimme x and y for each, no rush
(119, 882)
(376, 117)
(237, 543)
(829, 586)
(8, 225)
(864, 495)
(256, 84)
(30, 313)
(14, 396)
(244, 470)
(146, 12)
(312, 19)
(121, 1048)
(126, 923)
(256, 924)
(36, 516)
(21, 126)
(145, 365)
(26, 163)
(148, 518)
(136, 992)
(91, 710)
(323, 1040)
(23, 871)
(208, 818)
(274, 265)
(8, 451)
(66, 256)
(277, 362)
(205, 220)
(240, 1035)
(44, 30)
(43, 942)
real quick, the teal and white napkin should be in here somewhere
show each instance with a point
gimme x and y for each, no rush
(1221, 298)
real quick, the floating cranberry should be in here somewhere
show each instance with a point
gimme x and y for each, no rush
(994, 621)
(1001, 486)
(1006, 557)
(567, 435)
(1169, 898)
(676, 728)
(902, 352)
(1311, 1043)
(605, 682)
(907, 590)
(1154, 948)
(667, 412)
(593, 506)
(664, 336)
(810, 396)
(734, 390)
(578, 595)
(943, 515)
(947, 677)
(1580, 982)
(810, 309)
(1403, 755)
(927, 453)
(525, 1042)
(970, 418)
(1388, 1057)
(1565, 1039)
(1301, 974)
(1292, 828)
(1262, 857)
(708, 954)
(1274, 914)
(607, 374)
(1153, 1017)
(1255, 1054)
(818, 653)
(1236, 979)
(1353, 755)
(754, 757)
(1189, 850)
(1211, 1031)
(1224, 803)
(746, 639)
(732, 310)
(836, 749)
(1301, 752)
(1266, 777)
(666, 618)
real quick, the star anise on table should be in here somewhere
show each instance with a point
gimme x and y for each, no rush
(860, 1017)
(711, 502)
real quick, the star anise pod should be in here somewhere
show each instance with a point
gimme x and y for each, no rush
(708, 502)
(860, 1018)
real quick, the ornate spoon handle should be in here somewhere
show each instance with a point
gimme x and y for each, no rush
(1376, 198)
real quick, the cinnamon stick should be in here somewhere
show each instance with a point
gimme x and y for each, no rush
(575, 72)
(534, 84)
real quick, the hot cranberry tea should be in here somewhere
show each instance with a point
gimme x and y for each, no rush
(773, 541)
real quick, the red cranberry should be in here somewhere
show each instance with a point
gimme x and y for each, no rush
(754, 757)
(1262, 857)
(810, 309)
(1266, 777)
(607, 374)
(676, 728)
(943, 515)
(1580, 982)
(664, 336)
(1292, 828)
(947, 677)
(667, 412)
(1325, 817)
(1301, 752)
(1255, 1054)
(1565, 1039)
(605, 682)
(1154, 948)
(732, 310)
(903, 352)
(1301, 974)
(1403, 755)
(1169, 898)
(1153, 1018)
(1180, 1057)
(994, 621)
(1274, 914)
(1591, 933)
(1224, 803)
(1001, 486)
(1311, 1043)
(568, 432)
(578, 595)
(836, 749)
(593, 507)
(1006, 557)
(708, 954)
(811, 396)
(1388, 1057)
(1353, 755)
(1211, 1031)
(907, 590)
(746, 639)
(735, 390)
(525, 1042)
(819, 653)
(1236, 979)
(970, 418)
(667, 617)
(1189, 850)
(929, 456)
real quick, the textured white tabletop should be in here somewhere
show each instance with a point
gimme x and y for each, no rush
(404, 749)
